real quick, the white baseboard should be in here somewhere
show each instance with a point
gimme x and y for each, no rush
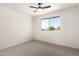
(57, 44)
(14, 44)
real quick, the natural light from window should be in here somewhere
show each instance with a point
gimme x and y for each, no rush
(52, 23)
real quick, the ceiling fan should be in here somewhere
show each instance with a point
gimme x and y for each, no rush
(40, 7)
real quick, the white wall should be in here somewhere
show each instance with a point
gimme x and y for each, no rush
(68, 35)
(15, 27)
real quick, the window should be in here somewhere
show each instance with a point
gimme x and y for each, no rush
(52, 23)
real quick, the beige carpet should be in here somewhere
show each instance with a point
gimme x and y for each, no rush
(37, 48)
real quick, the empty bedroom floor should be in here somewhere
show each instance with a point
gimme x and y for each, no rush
(38, 48)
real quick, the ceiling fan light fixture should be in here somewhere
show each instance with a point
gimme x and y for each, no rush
(40, 7)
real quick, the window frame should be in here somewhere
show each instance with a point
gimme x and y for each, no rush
(49, 23)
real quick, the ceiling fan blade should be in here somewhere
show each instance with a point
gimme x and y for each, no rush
(45, 7)
(33, 7)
